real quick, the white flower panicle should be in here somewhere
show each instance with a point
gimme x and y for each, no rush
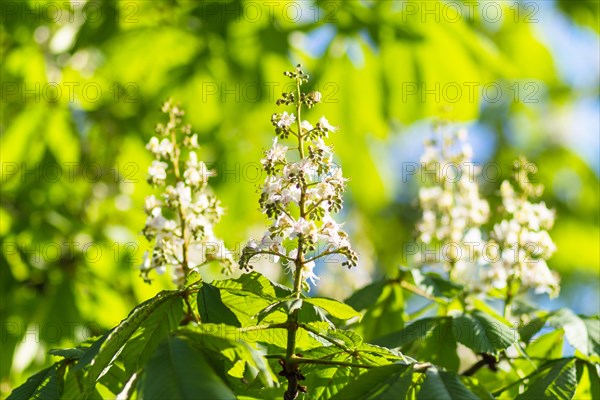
(453, 211)
(301, 192)
(181, 219)
(521, 240)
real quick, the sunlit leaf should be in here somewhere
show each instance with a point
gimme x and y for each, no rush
(177, 371)
(211, 307)
(557, 381)
(444, 386)
(388, 382)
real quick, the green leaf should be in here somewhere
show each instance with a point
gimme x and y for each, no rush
(475, 386)
(583, 333)
(388, 382)
(307, 312)
(385, 316)
(323, 382)
(482, 333)
(246, 306)
(311, 313)
(431, 339)
(211, 307)
(115, 378)
(439, 346)
(593, 328)
(367, 296)
(150, 333)
(335, 308)
(547, 346)
(594, 376)
(378, 355)
(177, 371)
(324, 352)
(288, 305)
(73, 384)
(92, 349)
(69, 354)
(416, 330)
(234, 345)
(557, 383)
(349, 338)
(120, 335)
(274, 393)
(485, 308)
(435, 284)
(42, 386)
(441, 385)
(255, 283)
(528, 331)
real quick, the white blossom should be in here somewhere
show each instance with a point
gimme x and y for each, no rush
(315, 96)
(184, 241)
(306, 126)
(194, 141)
(289, 195)
(278, 151)
(153, 145)
(524, 240)
(299, 195)
(453, 211)
(152, 203)
(165, 148)
(326, 125)
(285, 120)
(308, 272)
(158, 171)
(305, 228)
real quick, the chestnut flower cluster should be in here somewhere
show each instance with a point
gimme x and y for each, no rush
(181, 219)
(453, 211)
(302, 189)
(521, 239)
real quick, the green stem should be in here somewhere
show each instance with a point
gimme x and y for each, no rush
(273, 253)
(299, 118)
(420, 292)
(324, 254)
(509, 298)
(184, 232)
(292, 321)
(452, 263)
(275, 356)
(262, 327)
(314, 206)
(191, 311)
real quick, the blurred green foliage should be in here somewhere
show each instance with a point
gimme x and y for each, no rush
(81, 88)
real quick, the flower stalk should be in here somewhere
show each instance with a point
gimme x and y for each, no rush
(521, 240)
(181, 218)
(300, 193)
